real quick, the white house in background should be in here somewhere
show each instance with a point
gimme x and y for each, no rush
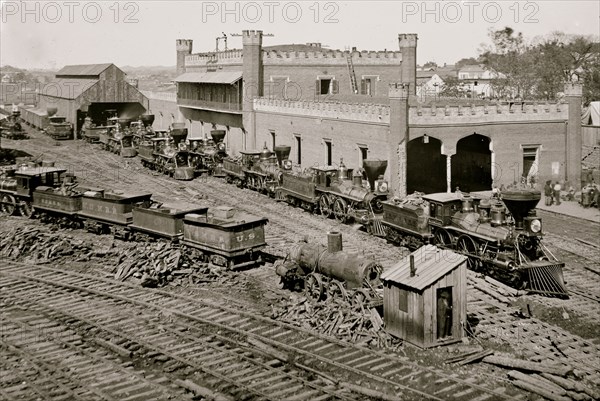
(476, 80)
(431, 81)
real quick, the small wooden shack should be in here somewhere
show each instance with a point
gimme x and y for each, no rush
(425, 297)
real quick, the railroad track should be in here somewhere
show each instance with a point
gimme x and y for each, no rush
(44, 359)
(88, 299)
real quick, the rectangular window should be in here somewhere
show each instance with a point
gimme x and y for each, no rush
(325, 84)
(272, 139)
(298, 149)
(328, 153)
(368, 84)
(403, 300)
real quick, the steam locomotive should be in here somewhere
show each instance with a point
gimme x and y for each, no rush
(221, 235)
(330, 272)
(332, 191)
(207, 155)
(257, 170)
(10, 126)
(57, 127)
(501, 237)
(167, 153)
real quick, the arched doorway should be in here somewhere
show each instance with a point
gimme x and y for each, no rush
(472, 164)
(425, 166)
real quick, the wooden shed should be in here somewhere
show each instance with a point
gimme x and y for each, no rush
(425, 297)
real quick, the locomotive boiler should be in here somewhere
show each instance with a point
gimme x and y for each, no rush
(337, 192)
(206, 156)
(329, 271)
(501, 237)
(258, 170)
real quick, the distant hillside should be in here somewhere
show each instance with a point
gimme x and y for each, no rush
(149, 70)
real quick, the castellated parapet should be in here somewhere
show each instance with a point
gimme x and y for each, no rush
(407, 40)
(573, 89)
(488, 113)
(298, 58)
(252, 37)
(184, 45)
(331, 57)
(363, 112)
(398, 90)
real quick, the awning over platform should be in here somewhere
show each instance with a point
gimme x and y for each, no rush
(220, 77)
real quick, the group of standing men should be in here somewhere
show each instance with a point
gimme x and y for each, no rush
(552, 193)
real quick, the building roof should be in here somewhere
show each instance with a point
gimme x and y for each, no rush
(431, 263)
(67, 88)
(83, 69)
(219, 77)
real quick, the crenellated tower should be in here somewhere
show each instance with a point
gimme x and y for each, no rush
(408, 72)
(253, 79)
(184, 48)
(573, 93)
(398, 135)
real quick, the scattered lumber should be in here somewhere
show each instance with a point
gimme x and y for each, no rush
(337, 318)
(537, 386)
(527, 365)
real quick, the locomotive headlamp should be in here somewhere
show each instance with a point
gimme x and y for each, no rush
(383, 187)
(221, 146)
(287, 164)
(535, 226)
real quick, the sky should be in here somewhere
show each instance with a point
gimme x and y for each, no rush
(52, 34)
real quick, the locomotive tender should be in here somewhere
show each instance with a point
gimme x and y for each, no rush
(221, 235)
(48, 122)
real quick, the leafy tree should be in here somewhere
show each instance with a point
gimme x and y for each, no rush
(452, 87)
(510, 56)
(539, 69)
(466, 61)
(430, 64)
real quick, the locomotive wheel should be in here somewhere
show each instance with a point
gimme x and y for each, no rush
(340, 207)
(9, 204)
(325, 205)
(442, 238)
(360, 298)
(26, 209)
(336, 290)
(467, 246)
(313, 287)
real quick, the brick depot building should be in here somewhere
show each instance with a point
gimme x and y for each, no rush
(330, 105)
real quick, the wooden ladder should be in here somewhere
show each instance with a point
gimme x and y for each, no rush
(352, 74)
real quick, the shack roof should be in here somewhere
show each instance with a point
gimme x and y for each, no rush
(431, 263)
